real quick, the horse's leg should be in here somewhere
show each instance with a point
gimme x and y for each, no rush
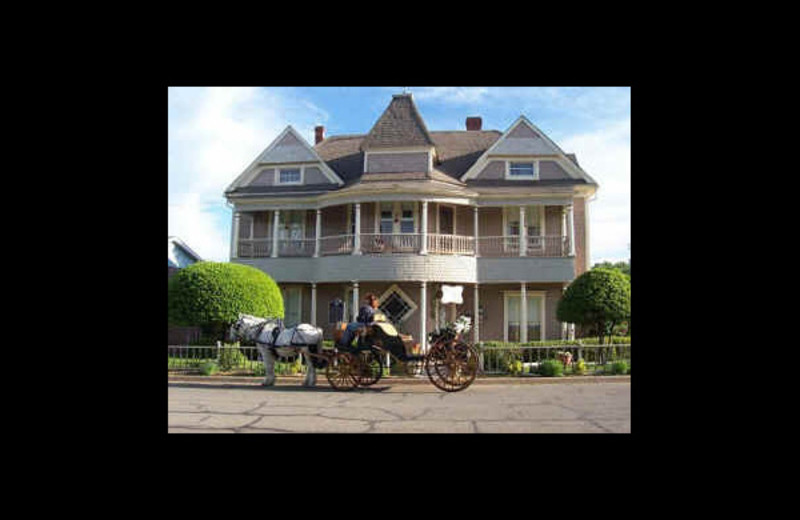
(311, 372)
(269, 365)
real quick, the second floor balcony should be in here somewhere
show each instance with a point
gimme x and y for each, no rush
(416, 229)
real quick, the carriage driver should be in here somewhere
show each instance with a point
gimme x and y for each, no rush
(366, 315)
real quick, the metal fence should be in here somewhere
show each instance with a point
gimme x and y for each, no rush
(244, 360)
(510, 359)
(506, 359)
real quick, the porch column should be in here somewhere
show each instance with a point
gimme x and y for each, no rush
(476, 323)
(423, 316)
(314, 303)
(571, 219)
(523, 310)
(355, 300)
(318, 233)
(423, 250)
(475, 231)
(276, 216)
(523, 233)
(563, 230)
(357, 237)
(235, 235)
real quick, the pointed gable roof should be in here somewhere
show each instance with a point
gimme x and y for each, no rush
(400, 125)
(288, 147)
(523, 138)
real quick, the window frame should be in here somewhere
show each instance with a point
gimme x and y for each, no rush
(407, 299)
(534, 177)
(542, 295)
(278, 170)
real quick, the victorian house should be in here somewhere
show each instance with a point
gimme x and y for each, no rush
(401, 211)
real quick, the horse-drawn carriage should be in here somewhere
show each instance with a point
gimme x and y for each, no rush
(449, 362)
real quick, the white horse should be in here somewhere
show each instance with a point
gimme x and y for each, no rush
(272, 343)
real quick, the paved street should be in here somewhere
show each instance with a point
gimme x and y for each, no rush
(397, 408)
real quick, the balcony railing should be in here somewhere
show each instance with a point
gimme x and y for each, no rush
(296, 247)
(451, 245)
(538, 246)
(408, 243)
(255, 248)
(377, 243)
(336, 245)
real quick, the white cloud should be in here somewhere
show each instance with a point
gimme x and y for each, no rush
(606, 156)
(214, 134)
(453, 95)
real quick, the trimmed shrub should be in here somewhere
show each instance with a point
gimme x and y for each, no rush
(579, 367)
(551, 368)
(598, 299)
(231, 357)
(209, 369)
(211, 295)
(619, 367)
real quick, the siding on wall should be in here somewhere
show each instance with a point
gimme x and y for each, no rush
(549, 170)
(493, 170)
(552, 217)
(397, 162)
(314, 175)
(334, 220)
(523, 131)
(490, 222)
(265, 178)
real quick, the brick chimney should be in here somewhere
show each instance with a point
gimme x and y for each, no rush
(474, 123)
(319, 134)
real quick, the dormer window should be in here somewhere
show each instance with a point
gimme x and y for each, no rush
(522, 170)
(289, 176)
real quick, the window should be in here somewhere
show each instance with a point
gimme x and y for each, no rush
(292, 225)
(396, 305)
(293, 305)
(387, 216)
(407, 219)
(513, 319)
(520, 169)
(289, 176)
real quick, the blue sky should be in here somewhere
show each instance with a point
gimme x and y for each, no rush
(214, 133)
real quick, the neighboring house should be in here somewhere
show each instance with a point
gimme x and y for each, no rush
(179, 255)
(401, 210)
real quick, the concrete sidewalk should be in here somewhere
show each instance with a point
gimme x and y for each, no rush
(322, 381)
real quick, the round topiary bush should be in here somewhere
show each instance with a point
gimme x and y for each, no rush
(211, 295)
(551, 368)
(619, 367)
(599, 298)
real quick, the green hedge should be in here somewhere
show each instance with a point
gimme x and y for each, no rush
(211, 295)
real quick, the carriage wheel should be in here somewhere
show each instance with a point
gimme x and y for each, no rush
(342, 371)
(452, 367)
(371, 367)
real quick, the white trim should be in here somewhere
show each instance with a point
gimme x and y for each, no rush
(536, 294)
(409, 301)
